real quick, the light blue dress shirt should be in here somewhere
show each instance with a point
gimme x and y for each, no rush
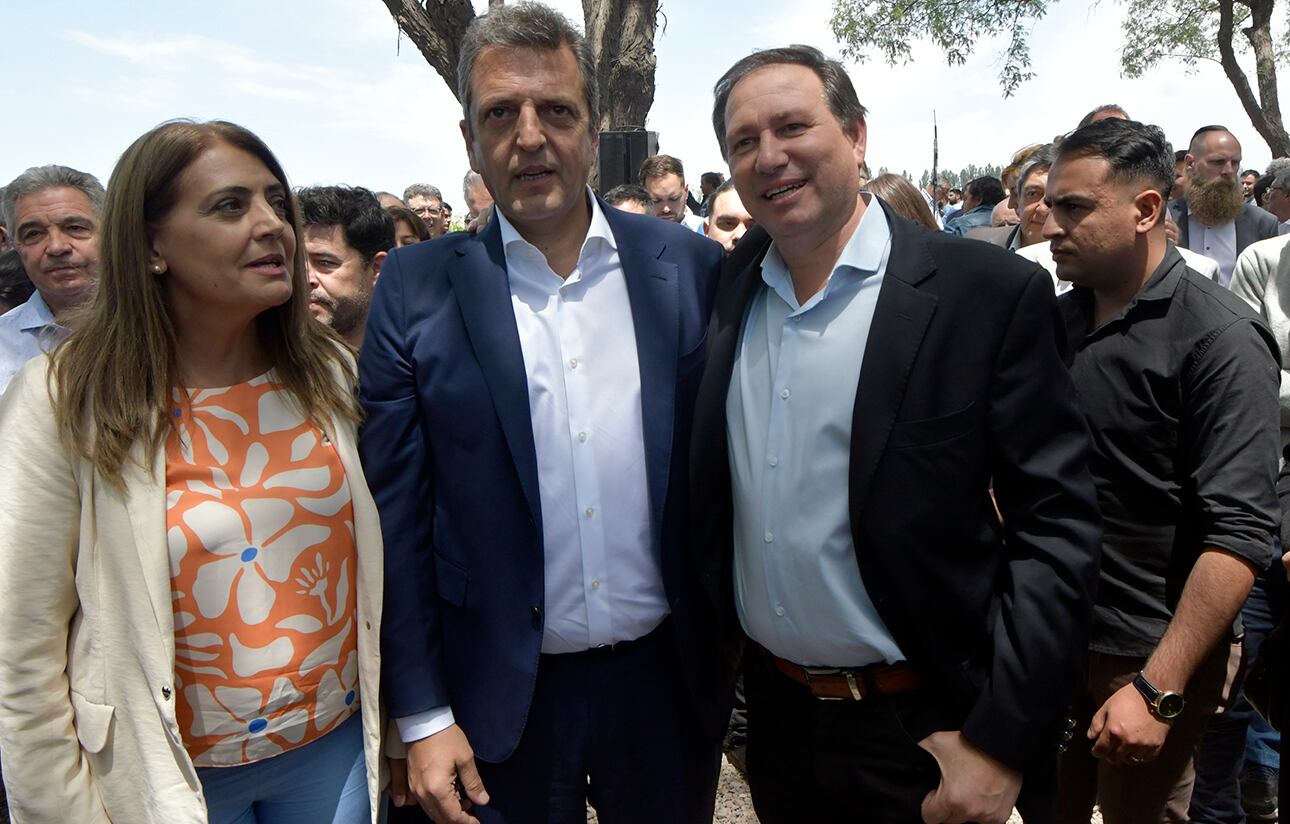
(25, 332)
(798, 589)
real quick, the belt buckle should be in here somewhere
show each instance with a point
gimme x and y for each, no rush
(845, 673)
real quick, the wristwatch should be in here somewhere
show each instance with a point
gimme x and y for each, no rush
(1164, 704)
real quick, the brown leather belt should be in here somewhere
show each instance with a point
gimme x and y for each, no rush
(851, 684)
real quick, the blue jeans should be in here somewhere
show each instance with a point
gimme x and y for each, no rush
(1239, 734)
(323, 782)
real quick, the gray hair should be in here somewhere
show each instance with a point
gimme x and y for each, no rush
(1278, 165)
(422, 190)
(38, 179)
(1281, 180)
(838, 90)
(526, 25)
(1041, 160)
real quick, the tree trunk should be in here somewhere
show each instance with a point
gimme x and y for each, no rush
(436, 28)
(1265, 69)
(1264, 114)
(621, 33)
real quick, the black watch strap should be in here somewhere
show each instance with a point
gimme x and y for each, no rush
(1164, 704)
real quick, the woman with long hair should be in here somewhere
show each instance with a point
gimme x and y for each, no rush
(190, 557)
(409, 228)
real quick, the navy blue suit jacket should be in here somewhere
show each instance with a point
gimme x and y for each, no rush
(448, 452)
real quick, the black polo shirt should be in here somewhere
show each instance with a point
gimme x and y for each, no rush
(1180, 394)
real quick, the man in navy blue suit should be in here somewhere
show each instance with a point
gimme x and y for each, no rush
(529, 393)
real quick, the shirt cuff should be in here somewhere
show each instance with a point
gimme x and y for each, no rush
(424, 724)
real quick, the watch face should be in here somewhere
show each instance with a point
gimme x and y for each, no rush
(1170, 705)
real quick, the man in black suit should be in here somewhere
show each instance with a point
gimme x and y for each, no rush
(867, 382)
(1214, 218)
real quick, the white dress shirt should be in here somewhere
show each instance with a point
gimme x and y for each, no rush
(1215, 242)
(798, 589)
(27, 330)
(603, 577)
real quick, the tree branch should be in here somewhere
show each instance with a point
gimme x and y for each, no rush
(436, 28)
(1273, 133)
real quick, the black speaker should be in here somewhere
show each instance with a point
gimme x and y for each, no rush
(621, 156)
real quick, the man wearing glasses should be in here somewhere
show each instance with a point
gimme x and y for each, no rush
(426, 201)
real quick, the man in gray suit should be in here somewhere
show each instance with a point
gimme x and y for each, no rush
(1213, 217)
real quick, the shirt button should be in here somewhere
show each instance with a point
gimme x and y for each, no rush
(784, 393)
(573, 363)
(773, 461)
(779, 611)
(582, 437)
(595, 584)
(769, 536)
(589, 512)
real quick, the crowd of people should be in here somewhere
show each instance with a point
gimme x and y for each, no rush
(924, 505)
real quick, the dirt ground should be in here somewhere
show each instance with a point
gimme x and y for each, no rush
(734, 806)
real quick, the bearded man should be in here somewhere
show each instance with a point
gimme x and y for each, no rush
(1213, 217)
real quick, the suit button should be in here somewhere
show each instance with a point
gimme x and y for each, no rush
(537, 613)
(165, 693)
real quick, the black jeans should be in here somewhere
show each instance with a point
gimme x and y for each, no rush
(1216, 798)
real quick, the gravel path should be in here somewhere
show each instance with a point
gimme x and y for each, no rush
(734, 806)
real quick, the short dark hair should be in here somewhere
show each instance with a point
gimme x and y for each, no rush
(409, 217)
(1204, 130)
(1249, 172)
(726, 186)
(988, 190)
(531, 26)
(1180, 155)
(15, 286)
(1135, 151)
(1261, 187)
(365, 225)
(629, 192)
(838, 90)
(713, 179)
(660, 165)
(1105, 107)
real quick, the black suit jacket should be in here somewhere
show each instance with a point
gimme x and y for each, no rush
(962, 385)
(1252, 224)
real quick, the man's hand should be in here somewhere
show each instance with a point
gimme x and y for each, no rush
(1171, 229)
(1125, 730)
(439, 763)
(974, 786)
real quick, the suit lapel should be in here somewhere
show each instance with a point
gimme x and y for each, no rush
(1179, 209)
(900, 321)
(146, 504)
(654, 293)
(1246, 229)
(709, 453)
(483, 292)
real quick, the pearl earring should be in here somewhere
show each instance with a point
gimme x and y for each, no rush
(156, 268)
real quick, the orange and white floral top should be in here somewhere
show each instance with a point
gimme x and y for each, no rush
(262, 562)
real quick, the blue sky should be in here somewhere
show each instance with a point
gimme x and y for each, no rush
(328, 86)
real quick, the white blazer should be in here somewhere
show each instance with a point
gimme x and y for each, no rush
(87, 637)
